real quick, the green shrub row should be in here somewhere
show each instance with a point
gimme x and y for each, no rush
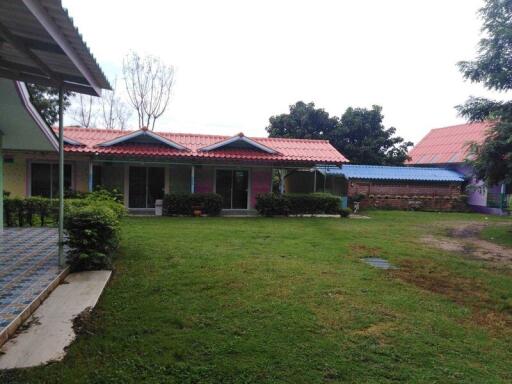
(184, 204)
(272, 204)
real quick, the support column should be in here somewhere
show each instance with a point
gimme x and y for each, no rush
(90, 177)
(314, 182)
(281, 181)
(1, 183)
(62, 260)
(193, 179)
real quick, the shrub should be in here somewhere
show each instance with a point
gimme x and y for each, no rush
(93, 236)
(270, 204)
(184, 203)
(345, 212)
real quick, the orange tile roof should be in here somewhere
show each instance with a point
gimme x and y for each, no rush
(288, 150)
(449, 144)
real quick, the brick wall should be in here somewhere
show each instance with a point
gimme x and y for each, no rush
(402, 195)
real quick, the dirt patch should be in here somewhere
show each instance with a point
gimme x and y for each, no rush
(466, 239)
(468, 292)
(82, 324)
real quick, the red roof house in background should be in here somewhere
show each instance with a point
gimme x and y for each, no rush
(448, 145)
(449, 148)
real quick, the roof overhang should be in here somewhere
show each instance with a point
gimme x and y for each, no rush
(140, 134)
(40, 45)
(22, 126)
(239, 138)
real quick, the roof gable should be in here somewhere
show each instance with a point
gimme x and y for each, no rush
(239, 141)
(142, 136)
(448, 145)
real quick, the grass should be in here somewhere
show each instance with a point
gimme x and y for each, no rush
(500, 234)
(280, 300)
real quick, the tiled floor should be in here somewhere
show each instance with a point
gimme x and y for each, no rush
(28, 264)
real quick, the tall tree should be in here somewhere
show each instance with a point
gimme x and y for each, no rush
(83, 110)
(114, 111)
(363, 138)
(492, 68)
(46, 101)
(149, 82)
(303, 122)
(359, 134)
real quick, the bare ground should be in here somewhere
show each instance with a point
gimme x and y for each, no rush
(465, 238)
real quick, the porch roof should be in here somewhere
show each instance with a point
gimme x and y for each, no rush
(282, 150)
(379, 172)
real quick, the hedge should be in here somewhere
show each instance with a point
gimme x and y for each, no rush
(91, 223)
(271, 204)
(175, 204)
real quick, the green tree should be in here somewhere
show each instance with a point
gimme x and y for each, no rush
(359, 134)
(46, 101)
(363, 138)
(303, 122)
(492, 68)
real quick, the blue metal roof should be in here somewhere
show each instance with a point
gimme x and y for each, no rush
(380, 172)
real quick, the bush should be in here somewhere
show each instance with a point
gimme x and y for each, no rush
(93, 236)
(270, 204)
(345, 212)
(184, 203)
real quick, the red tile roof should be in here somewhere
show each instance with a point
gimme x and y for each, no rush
(288, 150)
(448, 145)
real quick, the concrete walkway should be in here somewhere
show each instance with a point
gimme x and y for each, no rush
(50, 329)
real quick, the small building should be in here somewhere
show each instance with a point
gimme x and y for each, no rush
(449, 148)
(145, 165)
(396, 187)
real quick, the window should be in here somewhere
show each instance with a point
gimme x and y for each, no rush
(97, 176)
(44, 179)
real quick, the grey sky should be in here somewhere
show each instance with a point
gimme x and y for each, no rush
(239, 62)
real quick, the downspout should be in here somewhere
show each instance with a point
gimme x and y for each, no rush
(62, 260)
(90, 177)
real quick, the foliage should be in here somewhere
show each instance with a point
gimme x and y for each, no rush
(93, 236)
(359, 134)
(46, 101)
(272, 204)
(363, 139)
(493, 158)
(185, 203)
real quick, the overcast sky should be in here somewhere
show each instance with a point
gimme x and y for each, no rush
(239, 62)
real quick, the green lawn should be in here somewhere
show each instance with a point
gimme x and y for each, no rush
(226, 300)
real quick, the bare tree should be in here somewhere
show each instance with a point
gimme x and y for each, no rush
(149, 83)
(82, 110)
(114, 111)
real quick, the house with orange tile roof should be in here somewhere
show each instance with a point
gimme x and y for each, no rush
(449, 148)
(145, 165)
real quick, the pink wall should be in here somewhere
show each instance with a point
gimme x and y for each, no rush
(260, 183)
(204, 180)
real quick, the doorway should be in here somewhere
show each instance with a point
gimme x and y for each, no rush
(233, 186)
(146, 184)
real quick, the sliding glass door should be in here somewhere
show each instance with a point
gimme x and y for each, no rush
(233, 186)
(146, 185)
